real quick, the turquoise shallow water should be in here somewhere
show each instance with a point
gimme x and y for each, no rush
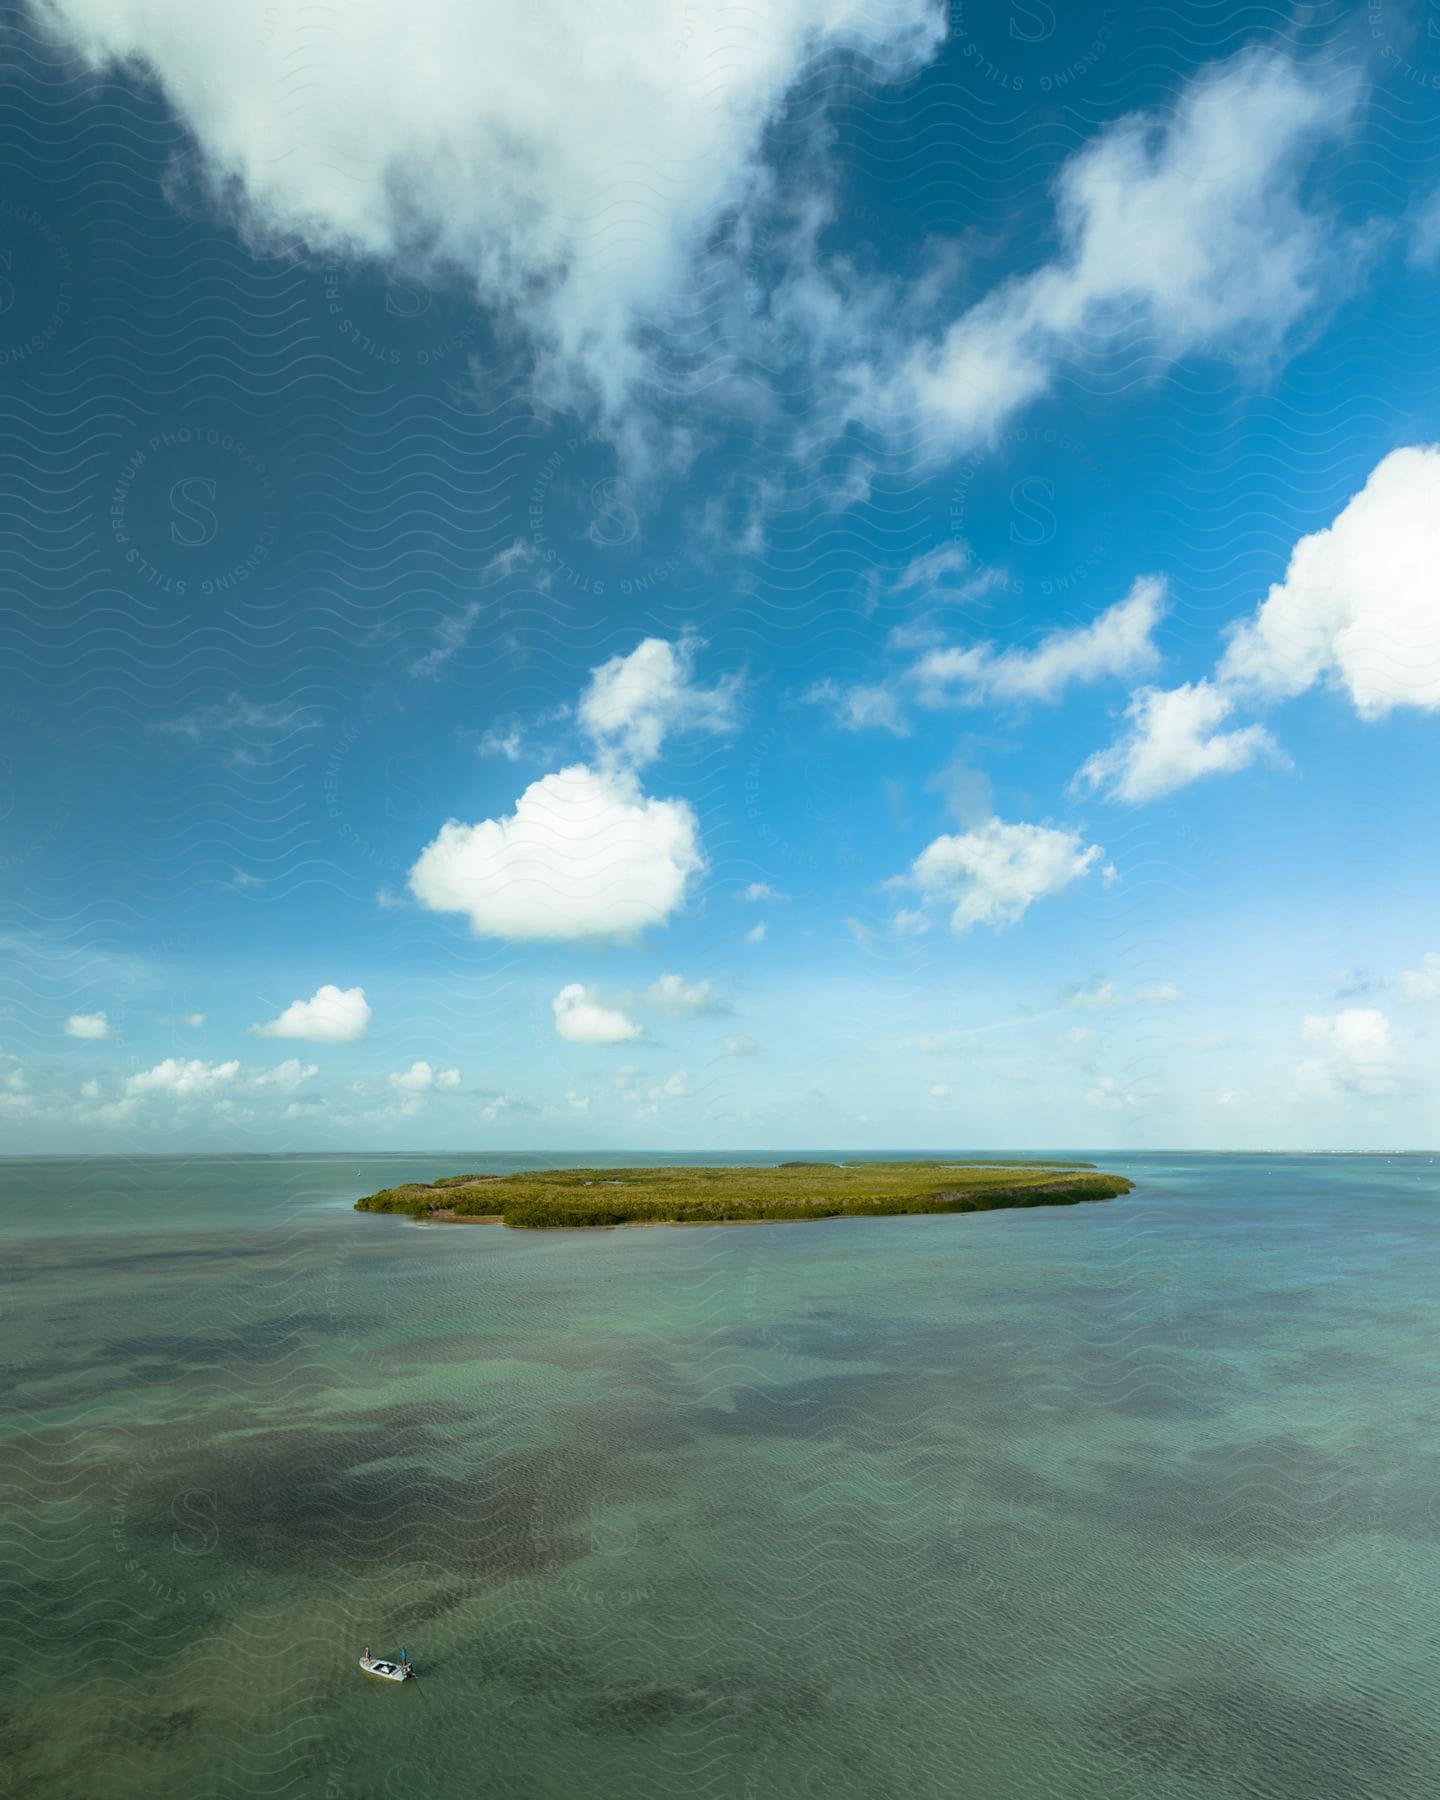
(1135, 1499)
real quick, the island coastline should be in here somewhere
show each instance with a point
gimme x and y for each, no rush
(588, 1198)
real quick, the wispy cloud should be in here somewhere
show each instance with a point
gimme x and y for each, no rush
(246, 731)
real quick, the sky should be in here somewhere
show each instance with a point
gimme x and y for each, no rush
(640, 576)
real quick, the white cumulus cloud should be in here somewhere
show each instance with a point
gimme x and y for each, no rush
(186, 1083)
(1118, 641)
(1423, 983)
(1359, 608)
(1360, 602)
(284, 1078)
(566, 159)
(184, 1079)
(585, 854)
(331, 1015)
(994, 874)
(1356, 1054)
(1180, 233)
(88, 1025)
(632, 703)
(581, 1018)
(421, 1078)
(672, 993)
(1174, 738)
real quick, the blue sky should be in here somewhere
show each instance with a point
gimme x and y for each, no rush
(866, 578)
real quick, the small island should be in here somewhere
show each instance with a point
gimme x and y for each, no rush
(539, 1199)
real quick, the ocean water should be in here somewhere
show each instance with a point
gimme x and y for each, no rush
(1134, 1499)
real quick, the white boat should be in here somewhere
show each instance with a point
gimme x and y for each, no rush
(387, 1671)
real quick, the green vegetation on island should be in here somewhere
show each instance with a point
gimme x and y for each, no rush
(548, 1198)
